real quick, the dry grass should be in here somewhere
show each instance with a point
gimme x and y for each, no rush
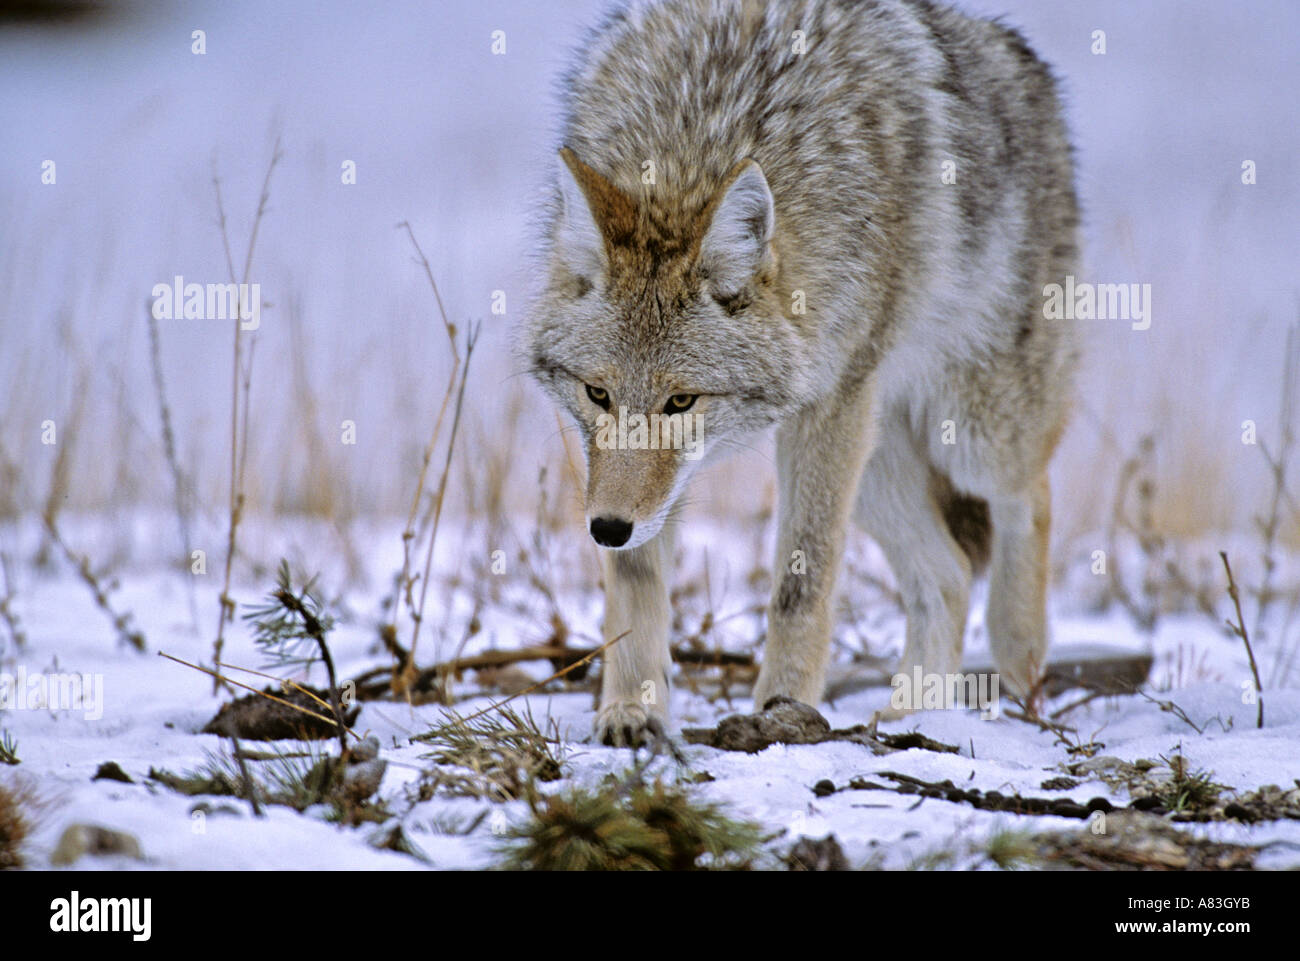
(1197, 486)
(1162, 581)
(405, 600)
(498, 756)
(311, 480)
(15, 823)
(182, 487)
(241, 378)
(297, 780)
(8, 615)
(67, 432)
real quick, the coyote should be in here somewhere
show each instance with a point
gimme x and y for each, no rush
(835, 218)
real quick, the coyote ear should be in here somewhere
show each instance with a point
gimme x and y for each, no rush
(594, 212)
(737, 245)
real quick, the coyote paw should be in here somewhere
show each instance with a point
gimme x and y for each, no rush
(627, 724)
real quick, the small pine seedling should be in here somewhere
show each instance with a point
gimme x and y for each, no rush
(630, 826)
(1187, 790)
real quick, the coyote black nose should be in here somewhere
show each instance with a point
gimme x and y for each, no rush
(609, 532)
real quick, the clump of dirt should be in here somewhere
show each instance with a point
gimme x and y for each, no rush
(112, 771)
(810, 854)
(784, 720)
(257, 718)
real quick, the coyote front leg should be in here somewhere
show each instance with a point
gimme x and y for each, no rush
(820, 458)
(634, 687)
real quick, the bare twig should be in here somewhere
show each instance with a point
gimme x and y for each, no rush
(122, 621)
(558, 674)
(238, 405)
(250, 787)
(1075, 705)
(404, 669)
(7, 612)
(428, 272)
(1240, 630)
(180, 489)
(1060, 730)
(418, 613)
(1169, 707)
(555, 653)
(62, 468)
(1137, 472)
(1135, 468)
(1270, 525)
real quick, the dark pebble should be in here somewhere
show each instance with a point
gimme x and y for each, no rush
(1240, 812)
(112, 771)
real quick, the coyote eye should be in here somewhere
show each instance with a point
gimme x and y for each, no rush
(679, 403)
(599, 396)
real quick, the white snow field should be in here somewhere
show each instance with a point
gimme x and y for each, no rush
(153, 708)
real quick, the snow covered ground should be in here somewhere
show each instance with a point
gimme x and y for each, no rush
(153, 708)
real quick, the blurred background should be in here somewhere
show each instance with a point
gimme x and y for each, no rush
(459, 141)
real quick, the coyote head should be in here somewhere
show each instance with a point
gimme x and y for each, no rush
(660, 331)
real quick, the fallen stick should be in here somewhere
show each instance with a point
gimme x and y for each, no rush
(374, 684)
